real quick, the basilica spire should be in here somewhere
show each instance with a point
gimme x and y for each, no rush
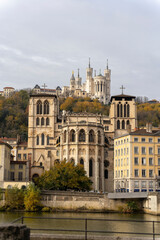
(107, 64)
(89, 65)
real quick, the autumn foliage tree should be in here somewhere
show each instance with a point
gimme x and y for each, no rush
(63, 176)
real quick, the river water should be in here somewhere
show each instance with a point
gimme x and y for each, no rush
(120, 226)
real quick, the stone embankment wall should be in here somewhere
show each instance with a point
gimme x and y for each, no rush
(81, 201)
(14, 232)
(151, 205)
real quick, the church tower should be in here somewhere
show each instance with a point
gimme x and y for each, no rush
(72, 83)
(107, 74)
(78, 81)
(89, 80)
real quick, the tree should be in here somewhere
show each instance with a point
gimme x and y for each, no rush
(32, 198)
(14, 198)
(63, 176)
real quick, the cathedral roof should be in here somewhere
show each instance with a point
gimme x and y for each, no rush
(120, 96)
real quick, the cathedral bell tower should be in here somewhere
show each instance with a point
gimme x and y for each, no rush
(89, 79)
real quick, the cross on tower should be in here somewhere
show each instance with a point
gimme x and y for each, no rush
(122, 88)
(44, 86)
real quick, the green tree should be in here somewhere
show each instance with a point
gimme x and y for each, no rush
(63, 176)
(32, 198)
(14, 198)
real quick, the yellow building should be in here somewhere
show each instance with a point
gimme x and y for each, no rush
(137, 161)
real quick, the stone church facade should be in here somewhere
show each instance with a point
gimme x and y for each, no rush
(82, 138)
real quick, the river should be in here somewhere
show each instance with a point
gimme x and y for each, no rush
(7, 217)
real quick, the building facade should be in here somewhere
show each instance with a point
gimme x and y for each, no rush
(137, 161)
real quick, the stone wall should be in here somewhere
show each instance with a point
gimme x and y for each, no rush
(81, 201)
(14, 232)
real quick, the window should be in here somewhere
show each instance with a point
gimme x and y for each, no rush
(136, 150)
(150, 173)
(25, 156)
(116, 174)
(37, 121)
(150, 150)
(150, 184)
(37, 140)
(91, 136)
(158, 161)
(106, 174)
(136, 173)
(136, 184)
(118, 124)
(121, 162)
(158, 150)
(19, 156)
(136, 162)
(150, 140)
(20, 166)
(127, 173)
(12, 166)
(81, 161)
(72, 136)
(82, 135)
(150, 161)
(42, 139)
(42, 121)
(65, 136)
(143, 150)
(143, 139)
(20, 176)
(116, 163)
(143, 173)
(12, 176)
(143, 184)
(121, 173)
(121, 152)
(158, 173)
(39, 107)
(135, 139)
(143, 161)
(46, 107)
(158, 140)
(90, 168)
(47, 121)
(47, 140)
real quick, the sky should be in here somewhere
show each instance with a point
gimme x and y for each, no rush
(42, 41)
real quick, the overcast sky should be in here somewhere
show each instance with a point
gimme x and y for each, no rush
(42, 41)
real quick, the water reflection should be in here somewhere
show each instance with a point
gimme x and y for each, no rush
(93, 225)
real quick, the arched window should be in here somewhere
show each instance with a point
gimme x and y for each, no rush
(106, 174)
(37, 121)
(42, 139)
(72, 160)
(99, 137)
(42, 121)
(65, 136)
(91, 136)
(47, 140)
(90, 168)
(128, 110)
(72, 135)
(82, 161)
(39, 107)
(124, 110)
(118, 124)
(37, 140)
(101, 86)
(82, 136)
(117, 110)
(128, 122)
(121, 110)
(123, 124)
(46, 107)
(98, 86)
(47, 121)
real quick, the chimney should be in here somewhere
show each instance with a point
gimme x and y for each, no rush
(149, 127)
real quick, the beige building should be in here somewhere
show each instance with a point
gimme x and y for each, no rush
(137, 161)
(12, 173)
(82, 138)
(8, 91)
